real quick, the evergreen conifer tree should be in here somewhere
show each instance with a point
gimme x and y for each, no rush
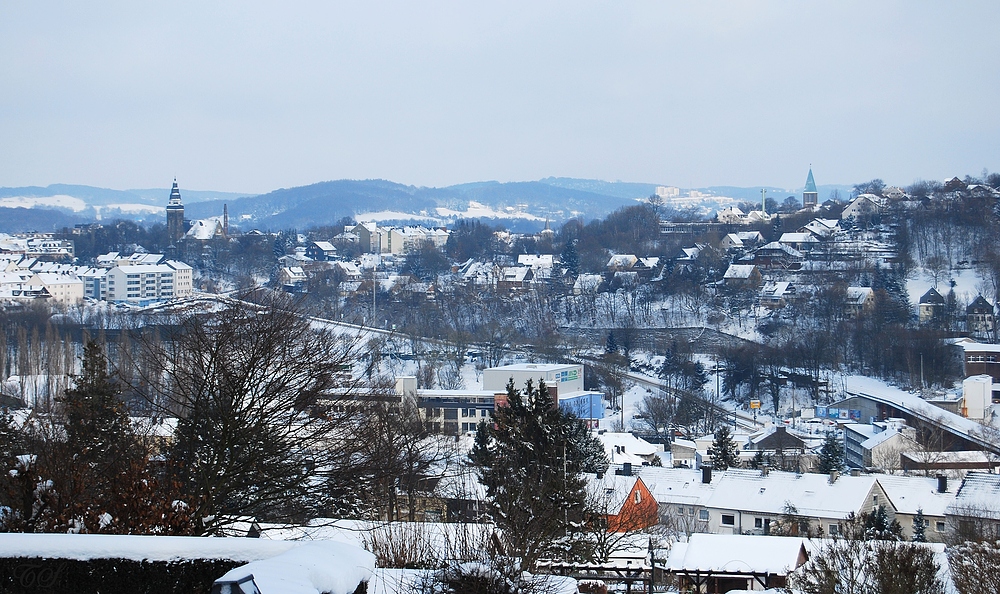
(96, 418)
(831, 456)
(920, 526)
(724, 452)
(530, 457)
(570, 258)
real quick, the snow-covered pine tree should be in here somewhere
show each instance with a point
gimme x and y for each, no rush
(831, 455)
(920, 526)
(724, 452)
(530, 457)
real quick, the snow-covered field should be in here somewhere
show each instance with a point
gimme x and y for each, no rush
(58, 201)
(477, 210)
(967, 283)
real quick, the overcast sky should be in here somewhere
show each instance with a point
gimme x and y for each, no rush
(249, 97)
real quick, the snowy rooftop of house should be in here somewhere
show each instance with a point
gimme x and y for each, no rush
(778, 246)
(979, 495)
(858, 294)
(677, 485)
(627, 442)
(326, 246)
(622, 260)
(798, 238)
(812, 494)
(734, 553)
(611, 489)
(907, 494)
(879, 438)
(739, 271)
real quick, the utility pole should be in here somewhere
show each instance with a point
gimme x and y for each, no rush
(763, 201)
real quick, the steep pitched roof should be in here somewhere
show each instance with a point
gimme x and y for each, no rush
(810, 182)
(932, 296)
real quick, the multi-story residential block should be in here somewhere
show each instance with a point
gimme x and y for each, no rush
(145, 284)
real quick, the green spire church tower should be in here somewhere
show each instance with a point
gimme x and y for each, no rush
(810, 197)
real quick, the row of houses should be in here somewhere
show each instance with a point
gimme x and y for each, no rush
(375, 239)
(764, 502)
(37, 245)
(137, 279)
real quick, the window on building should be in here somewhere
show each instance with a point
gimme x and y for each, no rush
(703, 515)
(450, 414)
(638, 496)
(728, 520)
(758, 522)
(939, 526)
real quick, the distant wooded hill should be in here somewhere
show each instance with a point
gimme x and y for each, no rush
(514, 204)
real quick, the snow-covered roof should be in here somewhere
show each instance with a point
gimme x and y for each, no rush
(535, 261)
(978, 347)
(622, 260)
(739, 271)
(539, 367)
(879, 438)
(735, 553)
(907, 494)
(778, 246)
(319, 566)
(626, 442)
(859, 295)
(678, 485)
(610, 490)
(878, 391)
(326, 246)
(204, 229)
(978, 496)
(812, 495)
(797, 238)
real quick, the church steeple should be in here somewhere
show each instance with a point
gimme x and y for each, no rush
(175, 197)
(810, 196)
(175, 215)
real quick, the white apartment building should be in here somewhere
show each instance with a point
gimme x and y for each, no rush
(145, 284)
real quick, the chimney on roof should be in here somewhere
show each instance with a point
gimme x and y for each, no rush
(706, 473)
(764, 470)
(942, 483)
(834, 475)
(855, 472)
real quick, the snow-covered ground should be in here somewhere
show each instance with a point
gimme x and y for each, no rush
(477, 210)
(967, 282)
(58, 201)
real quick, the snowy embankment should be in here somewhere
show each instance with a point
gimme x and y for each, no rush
(286, 566)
